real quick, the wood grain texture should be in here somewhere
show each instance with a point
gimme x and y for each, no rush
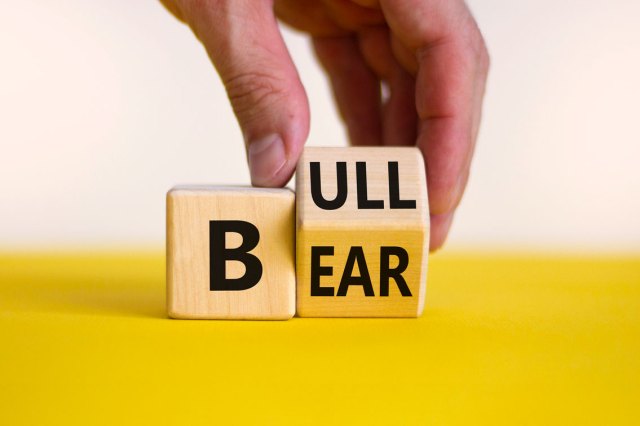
(189, 211)
(371, 229)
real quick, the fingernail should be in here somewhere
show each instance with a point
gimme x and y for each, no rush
(266, 158)
(458, 190)
(440, 226)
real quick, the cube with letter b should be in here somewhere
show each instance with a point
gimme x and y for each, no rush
(230, 253)
(362, 232)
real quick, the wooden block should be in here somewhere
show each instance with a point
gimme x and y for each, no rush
(362, 232)
(230, 253)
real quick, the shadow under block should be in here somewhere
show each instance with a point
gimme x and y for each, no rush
(230, 253)
(362, 232)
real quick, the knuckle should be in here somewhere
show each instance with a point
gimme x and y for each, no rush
(483, 57)
(478, 50)
(473, 49)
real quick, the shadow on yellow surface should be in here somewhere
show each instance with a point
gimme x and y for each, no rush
(504, 340)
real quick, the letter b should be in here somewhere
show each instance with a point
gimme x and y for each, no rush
(219, 255)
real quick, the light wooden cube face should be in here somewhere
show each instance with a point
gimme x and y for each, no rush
(362, 232)
(230, 253)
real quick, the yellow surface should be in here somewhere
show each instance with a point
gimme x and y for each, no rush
(512, 340)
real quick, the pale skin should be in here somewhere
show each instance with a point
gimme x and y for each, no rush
(403, 72)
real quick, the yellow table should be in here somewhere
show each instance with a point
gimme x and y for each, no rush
(504, 339)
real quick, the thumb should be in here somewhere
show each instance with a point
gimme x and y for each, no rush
(244, 43)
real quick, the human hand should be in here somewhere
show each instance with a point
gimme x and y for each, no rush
(403, 72)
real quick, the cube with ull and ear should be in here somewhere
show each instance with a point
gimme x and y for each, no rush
(230, 253)
(362, 232)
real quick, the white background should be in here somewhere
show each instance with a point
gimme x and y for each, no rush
(106, 104)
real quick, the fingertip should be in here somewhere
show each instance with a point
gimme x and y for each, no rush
(445, 193)
(440, 226)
